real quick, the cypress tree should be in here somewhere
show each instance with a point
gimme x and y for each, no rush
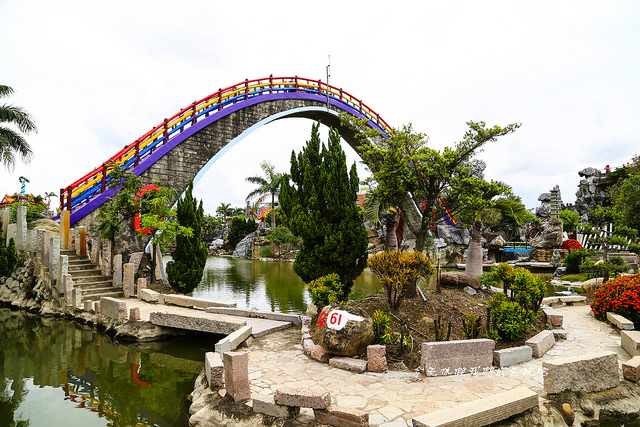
(190, 255)
(321, 207)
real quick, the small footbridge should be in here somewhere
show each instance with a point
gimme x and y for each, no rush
(186, 144)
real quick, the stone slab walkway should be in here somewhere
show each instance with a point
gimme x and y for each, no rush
(394, 398)
(259, 327)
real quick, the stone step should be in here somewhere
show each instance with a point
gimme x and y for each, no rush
(88, 270)
(96, 297)
(82, 279)
(101, 290)
(85, 286)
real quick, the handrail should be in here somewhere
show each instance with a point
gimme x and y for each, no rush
(84, 189)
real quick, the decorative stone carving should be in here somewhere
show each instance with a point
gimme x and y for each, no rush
(344, 330)
(551, 237)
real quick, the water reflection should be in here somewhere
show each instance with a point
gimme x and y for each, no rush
(265, 285)
(59, 373)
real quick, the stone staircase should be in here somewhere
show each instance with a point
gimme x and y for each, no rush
(89, 279)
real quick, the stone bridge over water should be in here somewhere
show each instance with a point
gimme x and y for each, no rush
(185, 145)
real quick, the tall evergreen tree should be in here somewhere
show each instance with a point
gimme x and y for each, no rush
(190, 255)
(321, 206)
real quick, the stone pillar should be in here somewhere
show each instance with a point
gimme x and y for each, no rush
(236, 375)
(40, 239)
(76, 298)
(134, 314)
(68, 288)
(63, 268)
(88, 305)
(65, 221)
(135, 259)
(106, 257)
(95, 251)
(377, 358)
(128, 281)
(81, 241)
(6, 217)
(21, 231)
(32, 240)
(46, 248)
(117, 270)
(11, 234)
(142, 284)
(160, 273)
(54, 256)
(96, 307)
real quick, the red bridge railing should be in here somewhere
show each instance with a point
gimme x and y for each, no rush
(95, 182)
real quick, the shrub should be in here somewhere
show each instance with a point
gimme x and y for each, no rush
(509, 318)
(527, 289)
(239, 229)
(571, 245)
(381, 329)
(574, 258)
(471, 324)
(621, 296)
(265, 252)
(399, 272)
(634, 247)
(8, 258)
(325, 290)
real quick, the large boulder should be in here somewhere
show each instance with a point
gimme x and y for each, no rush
(458, 279)
(344, 330)
(551, 237)
(458, 236)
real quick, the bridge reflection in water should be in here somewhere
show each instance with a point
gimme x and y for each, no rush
(59, 373)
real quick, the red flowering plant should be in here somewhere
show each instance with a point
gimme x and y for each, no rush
(621, 296)
(571, 244)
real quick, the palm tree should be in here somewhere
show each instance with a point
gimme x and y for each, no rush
(378, 213)
(225, 210)
(11, 141)
(268, 185)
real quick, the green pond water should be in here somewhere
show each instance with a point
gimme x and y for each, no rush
(57, 372)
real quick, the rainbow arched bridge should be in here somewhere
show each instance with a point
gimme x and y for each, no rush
(184, 145)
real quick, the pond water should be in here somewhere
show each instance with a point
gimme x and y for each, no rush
(265, 285)
(59, 373)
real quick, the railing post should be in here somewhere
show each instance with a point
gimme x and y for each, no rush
(360, 105)
(193, 114)
(61, 199)
(69, 191)
(340, 94)
(296, 83)
(166, 131)
(319, 86)
(271, 83)
(104, 178)
(137, 152)
(246, 89)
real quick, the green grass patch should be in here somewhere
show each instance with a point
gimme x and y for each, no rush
(576, 277)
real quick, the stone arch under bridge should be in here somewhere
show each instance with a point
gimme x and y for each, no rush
(185, 145)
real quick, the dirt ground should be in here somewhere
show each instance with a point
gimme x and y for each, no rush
(419, 317)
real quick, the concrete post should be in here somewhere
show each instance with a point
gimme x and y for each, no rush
(40, 239)
(128, 281)
(63, 268)
(46, 248)
(6, 217)
(236, 375)
(54, 256)
(21, 231)
(68, 289)
(142, 284)
(117, 270)
(106, 257)
(11, 234)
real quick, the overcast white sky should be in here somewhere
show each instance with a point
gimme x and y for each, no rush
(97, 75)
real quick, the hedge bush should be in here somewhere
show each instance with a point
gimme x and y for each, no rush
(621, 296)
(325, 290)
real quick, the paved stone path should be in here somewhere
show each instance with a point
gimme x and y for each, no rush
(394, 398)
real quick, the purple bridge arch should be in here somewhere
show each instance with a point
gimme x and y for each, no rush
(186, 144)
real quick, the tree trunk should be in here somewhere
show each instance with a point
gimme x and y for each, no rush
(473, 267)
(273, 222)
(391, 238)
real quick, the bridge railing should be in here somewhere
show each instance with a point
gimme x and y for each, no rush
(95, 182)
